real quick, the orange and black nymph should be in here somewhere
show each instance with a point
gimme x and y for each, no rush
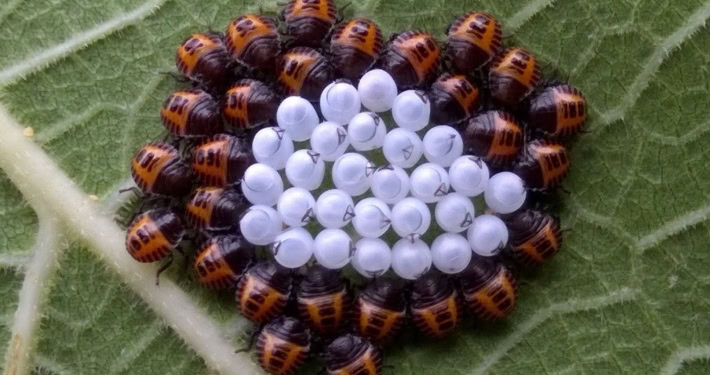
(304, 72)
(352, 355)
(263, 291)
(222, 260)
(543, 165)
(153, 235)
(203, 58)
(283, 345)
(558, 111)
(489, 288)
(157, 168)
(253, 41)
(435, 305)
(215, 209)
(354, 47)
(412, 59)
(535, 236)
(221, 160)
(454, 98)
(308, 21)
(250, 103)
(191, 113)
(323, 300)
(472, 41)
(513, 75)
(380, 310)
(494, 136)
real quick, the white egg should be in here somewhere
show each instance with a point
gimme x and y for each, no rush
(372, 258)
(451, 253)
(403, 147)
(351, 173)
(366, 131)
(454, 213)
(261, 184)
(305, 169)
(410, 216)
(330, 140)
(339, 102)
(411, 110)
(429, 182)
(390, 184)
(334, 209)
(372, 217)
(296, 207)
(297, 117)
(272, 146)
(260, 225)
(488, 235)
(505, 192)
(293, 248)
(333, 248)
(469, 175)
(377, 90)
(442, 145)
(411, 258)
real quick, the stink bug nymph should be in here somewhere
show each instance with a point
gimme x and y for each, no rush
(222, 260)
(489, 288)
(308, 21)
(513, 76)
(435, 305)
(380, 310)
(412, 59)
(494, 136)
(215, 209)
(263, 291)
(283, 345)
(543, 165)
(352, 355)
(221, 160)
(202, 58)
(253, 41)
(535, 236)
(472, 41)
(454, 98)
(250, 103)
(323, 300)
(558, 110)
(157, 168)
(153, 235)
(191, 113)
(354, 47)
(305, 72)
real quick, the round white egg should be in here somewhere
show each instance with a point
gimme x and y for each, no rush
(429, 182)
(333, 248)
(442, 145)
(488, 235)
(351, 173)
(372, 217)
(330, 140)
(297, 117)
(296, 207)
(450, 253)
(505, 192)
(390, 184)
(293, 248)
(411, 110)
(260, 225)
(261, 184)
(454, 213)
(402, 147)
(305, 169)
(410, 216)
(377, 90)
(469, 175)
(372, 258)
(366, 131)
(411, 258)
(272, 146)
(334, 209)
(339, 102)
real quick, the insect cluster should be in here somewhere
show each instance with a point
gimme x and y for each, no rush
(281, 180)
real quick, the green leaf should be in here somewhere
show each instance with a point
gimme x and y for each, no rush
(629, 293)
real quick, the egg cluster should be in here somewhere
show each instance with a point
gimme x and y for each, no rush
(293, 157)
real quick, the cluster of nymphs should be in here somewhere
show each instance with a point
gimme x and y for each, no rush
(275, 104)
